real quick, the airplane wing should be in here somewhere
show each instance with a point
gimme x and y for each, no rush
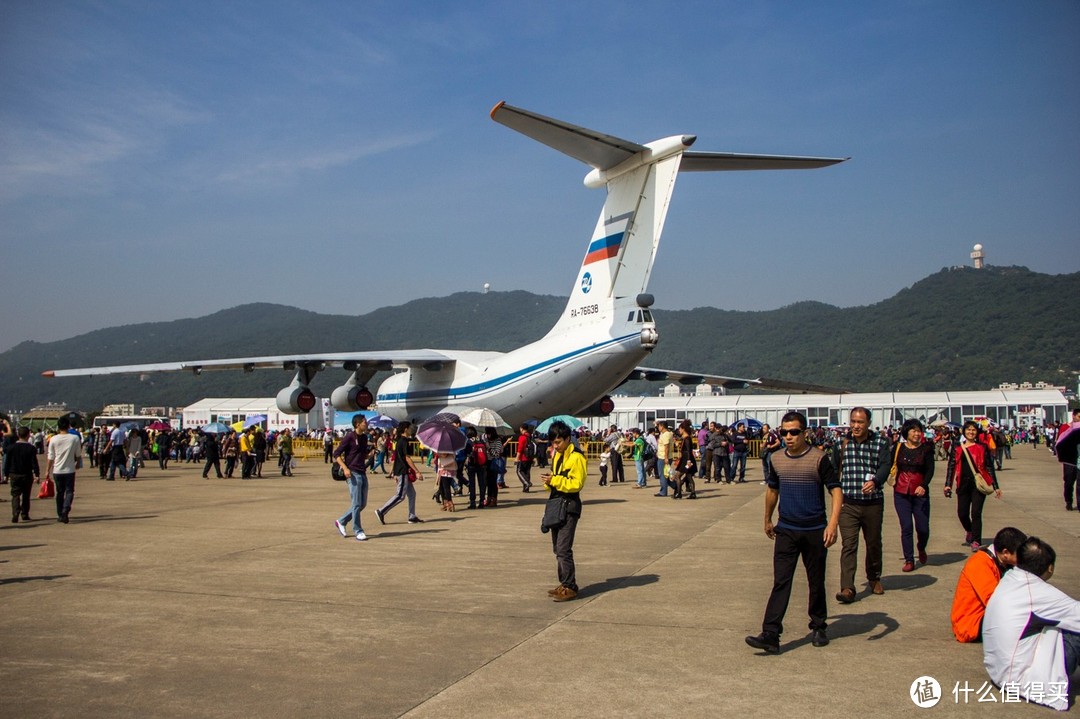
(652, 374)
(376, 361)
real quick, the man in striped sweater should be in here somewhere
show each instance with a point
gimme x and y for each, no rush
(797, 480)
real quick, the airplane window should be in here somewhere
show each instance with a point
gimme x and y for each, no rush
(630, 317)
(639, 315)
(647, 315)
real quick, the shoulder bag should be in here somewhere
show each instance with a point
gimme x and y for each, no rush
(980, 481)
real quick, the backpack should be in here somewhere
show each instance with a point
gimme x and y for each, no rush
(527, 452)
(647, 452)
(479, 454)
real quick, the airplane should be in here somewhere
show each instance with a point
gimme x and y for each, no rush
(603, 334)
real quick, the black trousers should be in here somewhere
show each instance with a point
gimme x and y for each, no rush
(562, 543)
(1068, 475)
(616, 467)
(21, 484)
(788, 547)
(969, 509)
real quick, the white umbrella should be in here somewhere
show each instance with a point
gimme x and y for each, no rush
(483, 417)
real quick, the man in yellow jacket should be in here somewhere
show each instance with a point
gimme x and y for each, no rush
(568, 470)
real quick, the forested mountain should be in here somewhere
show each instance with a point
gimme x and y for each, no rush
(957, 329)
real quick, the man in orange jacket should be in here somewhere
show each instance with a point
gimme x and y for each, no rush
(978, 579)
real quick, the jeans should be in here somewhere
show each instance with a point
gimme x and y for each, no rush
(358, 488)
(738, 465)
(909, 509)
(117, 460)
(660, 465)
(639, 465)
(65, 493)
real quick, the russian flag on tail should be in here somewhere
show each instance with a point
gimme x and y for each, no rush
(604, 248)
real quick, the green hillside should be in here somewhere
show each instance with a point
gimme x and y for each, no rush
(957, 329)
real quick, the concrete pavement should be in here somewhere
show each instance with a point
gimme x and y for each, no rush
(174, 596)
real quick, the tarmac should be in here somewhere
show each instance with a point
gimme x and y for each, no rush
(175, 596)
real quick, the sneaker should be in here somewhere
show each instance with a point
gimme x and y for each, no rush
(975, 546)
(908, 567)
(340, 528)
(766, 641)
(968, 537)
(361, 537)
(922, 556)
(415, 520)
(820, 639)
(379, 514)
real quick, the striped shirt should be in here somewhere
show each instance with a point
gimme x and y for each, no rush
(801, 482)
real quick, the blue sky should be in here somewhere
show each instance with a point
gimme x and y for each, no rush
(162, 160)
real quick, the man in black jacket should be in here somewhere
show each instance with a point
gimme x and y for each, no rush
(21, 469)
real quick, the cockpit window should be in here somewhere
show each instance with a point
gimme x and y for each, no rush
(630, 317)
(647, 315)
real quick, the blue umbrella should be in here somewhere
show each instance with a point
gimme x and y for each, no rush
(751, 424)
(382, 422)
(215, 428)
(572, 422)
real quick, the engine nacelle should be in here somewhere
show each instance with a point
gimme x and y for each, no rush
(351, 397)
(296, 400)
(600, 408)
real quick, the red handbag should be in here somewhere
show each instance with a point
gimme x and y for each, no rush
(48, 489)
(411, 474)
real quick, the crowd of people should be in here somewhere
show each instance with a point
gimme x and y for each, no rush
(1000, 587)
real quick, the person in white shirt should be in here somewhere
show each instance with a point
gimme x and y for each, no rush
(65, 456)
(1031, 630)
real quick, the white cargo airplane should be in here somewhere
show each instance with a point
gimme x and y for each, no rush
(604, 332)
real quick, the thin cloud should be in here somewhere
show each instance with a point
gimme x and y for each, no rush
(280, 169)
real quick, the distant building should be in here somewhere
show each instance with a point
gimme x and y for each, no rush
(977, 256)
(1010, 408)
(118, 410)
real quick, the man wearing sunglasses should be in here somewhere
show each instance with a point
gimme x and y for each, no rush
(797, 480)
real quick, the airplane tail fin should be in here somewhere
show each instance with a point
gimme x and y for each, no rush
(639, 180)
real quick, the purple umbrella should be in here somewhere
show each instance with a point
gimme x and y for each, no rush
(441, 437)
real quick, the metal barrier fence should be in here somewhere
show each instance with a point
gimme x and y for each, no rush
(304, 449)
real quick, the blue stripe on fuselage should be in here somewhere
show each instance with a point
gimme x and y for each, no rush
(498, 381)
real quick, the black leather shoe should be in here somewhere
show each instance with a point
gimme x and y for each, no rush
(820, 638)
(766, 641)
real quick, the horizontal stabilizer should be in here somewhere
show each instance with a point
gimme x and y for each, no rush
(713, 161)
(593, 148)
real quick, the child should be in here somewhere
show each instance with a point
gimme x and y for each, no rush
(603, 469)
(447, 470)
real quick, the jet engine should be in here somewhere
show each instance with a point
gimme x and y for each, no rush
(354, 394)
(296, 400)
(600, 408)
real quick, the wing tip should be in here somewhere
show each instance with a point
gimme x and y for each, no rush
(48, 373)
(498, 106)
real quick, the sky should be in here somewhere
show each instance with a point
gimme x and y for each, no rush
(161, 160)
